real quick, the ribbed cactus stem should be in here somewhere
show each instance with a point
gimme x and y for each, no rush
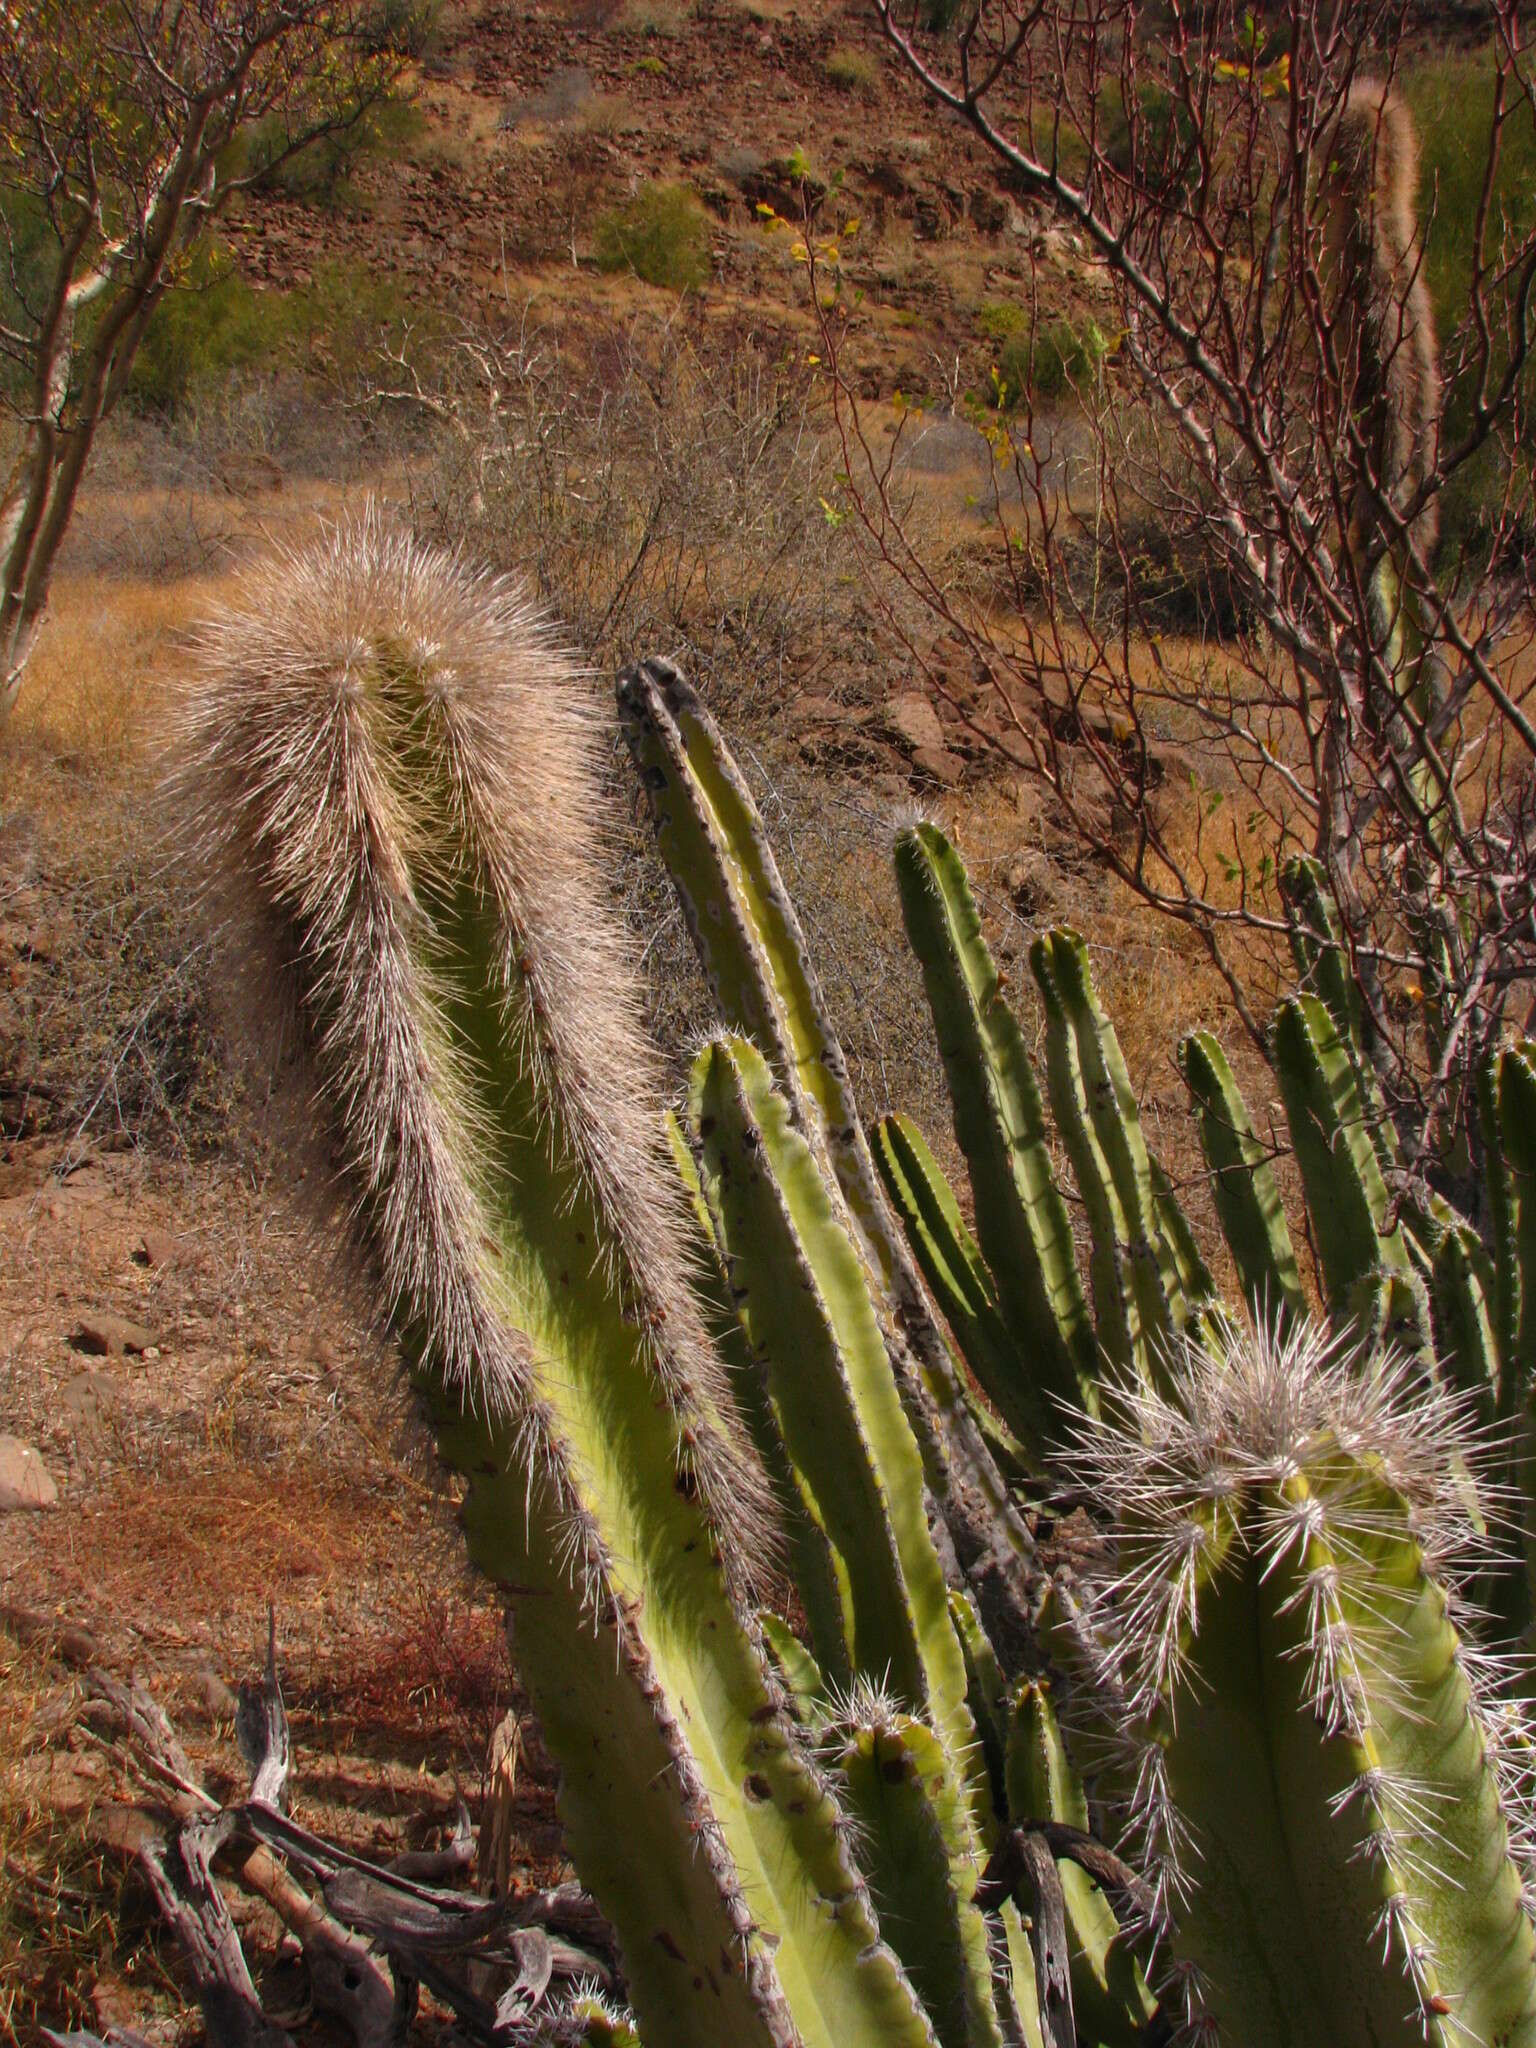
(752, 947)
(919, 1851)
(1320, 1774)
(1022, 1223)
(1243, 1186)
(398, 775)
(802, 1294)
(1109, 1991)
(1368, 1270)
(952, 1264)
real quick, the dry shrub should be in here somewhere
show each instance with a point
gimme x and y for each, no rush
(661, 484)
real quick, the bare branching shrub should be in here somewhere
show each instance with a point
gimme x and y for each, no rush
(660, 494)
(1260, 585)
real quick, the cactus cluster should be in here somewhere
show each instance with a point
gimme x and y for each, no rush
(754, 1430)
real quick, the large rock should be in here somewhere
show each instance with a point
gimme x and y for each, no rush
(913, 719)
(25, 1481)
(102, 1335)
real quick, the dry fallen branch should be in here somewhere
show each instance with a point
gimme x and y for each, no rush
(528, 1949)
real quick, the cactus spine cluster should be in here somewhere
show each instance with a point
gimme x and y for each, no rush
(1324, 1794)
(675, 1361)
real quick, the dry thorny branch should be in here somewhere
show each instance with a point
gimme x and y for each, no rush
(373, 1936)
(1227, 573)
(125, 129)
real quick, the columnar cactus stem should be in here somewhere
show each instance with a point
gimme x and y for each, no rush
(1363, 1256)
(1109, 1991)
(1247, 1199)
(750, 942)
(1319, 1773)
(898, 1784)
(803, 1300)
(1021, 1218)
(393, 763)
(952, 1265)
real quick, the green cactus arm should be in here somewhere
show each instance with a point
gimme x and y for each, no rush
(1202, 1308)
(897, 1784)
(1196, 1283)
(816, 1570)
(1517, 1131)
(1516, 1124)
(1109, 1990)
(1150, 1268)
(804, 1301)
(470, 1013)
(706, 1673)
(797, 1667)
(952, 1264)
(1243, 1186)
(1503, 1215)
(1346, 1194)
(1114, 1304)
(1317, 944)
(749, 939)
(1323, 968)
(984, 1692)
(1021, 1218)
(1464, 1336)
(1455, 1896)
(1323, 1777)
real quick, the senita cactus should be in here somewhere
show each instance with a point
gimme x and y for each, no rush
(393, 758)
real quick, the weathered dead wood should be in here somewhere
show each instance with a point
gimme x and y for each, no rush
(180, 1874)
(345, 1980)
(261, 1729)
(463, 1949)
(455, 1858)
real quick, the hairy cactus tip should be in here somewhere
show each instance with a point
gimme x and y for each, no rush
(1283, 1593)
(373, 736)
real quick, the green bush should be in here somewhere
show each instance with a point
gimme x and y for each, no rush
(1043, 364)
(205, 329)
(324, 174)
(214, 325)
(850, 70)
(1001, 320)
(661, 235)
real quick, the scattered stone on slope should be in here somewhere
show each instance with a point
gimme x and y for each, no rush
(103, 1335)
(25, 1481)
(913, 719)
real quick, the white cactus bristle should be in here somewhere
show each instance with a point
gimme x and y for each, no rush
(283, 779)
(1238, 1432)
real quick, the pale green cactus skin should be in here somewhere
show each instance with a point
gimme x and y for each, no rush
(1022, 1223)
(1319, 1776)
(753, 951)
(1247, 1199)
(1110, 1998)
(601, 1312)
(514, 1192)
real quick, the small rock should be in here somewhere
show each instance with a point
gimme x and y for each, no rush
(156, 1248)
(108, 1336)
(912, 717)
(938, 764)
(88, 1396)
(212, 1693)
(114, 2005)
(25, 1481)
